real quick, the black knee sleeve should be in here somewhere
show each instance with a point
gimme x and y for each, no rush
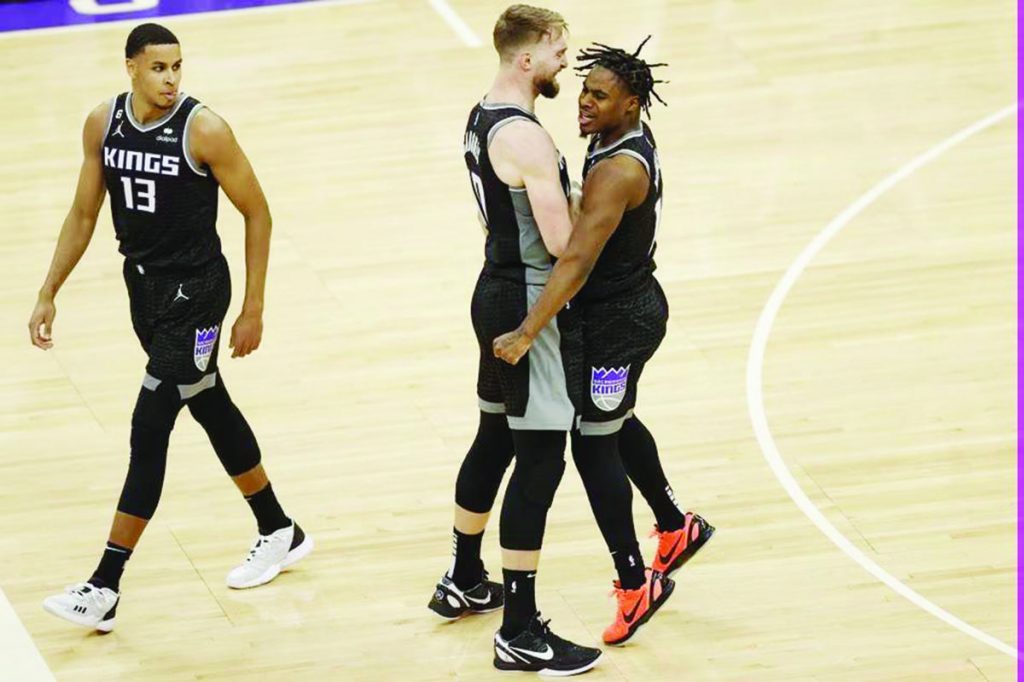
(540, 464)
(640, 454)
(643, 466)
(485, 464)
(604, 478)
(640, 458)
(156, 410)
(229, 433)
(541, 480)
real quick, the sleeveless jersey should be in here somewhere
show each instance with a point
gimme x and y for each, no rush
(163, 204)
(514, 249)
(627, 260)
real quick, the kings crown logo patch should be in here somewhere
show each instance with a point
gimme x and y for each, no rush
(608, 386)
(205, 341)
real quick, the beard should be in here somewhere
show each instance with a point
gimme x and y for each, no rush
(548, 87)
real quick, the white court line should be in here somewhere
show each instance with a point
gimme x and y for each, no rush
(455, 21)
(755, 372)
(175, 18)
(19, 657)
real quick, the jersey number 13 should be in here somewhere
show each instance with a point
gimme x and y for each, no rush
(139, 194)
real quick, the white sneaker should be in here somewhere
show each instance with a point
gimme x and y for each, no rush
(269, 555)
(86, 605)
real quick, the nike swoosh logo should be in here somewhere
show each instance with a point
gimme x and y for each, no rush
(628, 617)
(478, 601)
(545, 655)
(664, 558)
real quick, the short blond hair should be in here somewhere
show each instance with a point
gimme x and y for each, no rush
(524, 25)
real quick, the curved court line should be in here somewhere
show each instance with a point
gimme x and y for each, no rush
(755, 371)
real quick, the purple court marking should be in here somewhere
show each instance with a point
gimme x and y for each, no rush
(36, 14)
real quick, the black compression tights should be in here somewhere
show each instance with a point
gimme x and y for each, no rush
(485, 464)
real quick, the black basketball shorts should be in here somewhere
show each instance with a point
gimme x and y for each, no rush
(543, 391)
(620, 334)
(178, 316)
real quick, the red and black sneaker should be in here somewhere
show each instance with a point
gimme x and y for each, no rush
(635, 607)
(676, 547)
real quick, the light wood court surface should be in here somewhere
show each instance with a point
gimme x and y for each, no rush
(888, 375)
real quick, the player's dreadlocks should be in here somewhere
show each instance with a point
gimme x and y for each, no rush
(634, 72)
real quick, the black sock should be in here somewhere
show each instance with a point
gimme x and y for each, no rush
(108, 573)
(268, 512)
(630, 566)
(467, 569)
(640, 457)
(297, 538)
(667, 512)
(520, 602)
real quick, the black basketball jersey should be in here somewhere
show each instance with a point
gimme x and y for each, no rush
(628, 258)
(514, 248)
(164, 205)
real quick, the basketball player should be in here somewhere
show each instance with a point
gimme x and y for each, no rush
(521, 185)
(162, 156)
(608, 266)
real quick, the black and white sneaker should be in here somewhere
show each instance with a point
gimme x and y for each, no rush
(269, 555)
(537, 649)
(451, 603)
(86, 605)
